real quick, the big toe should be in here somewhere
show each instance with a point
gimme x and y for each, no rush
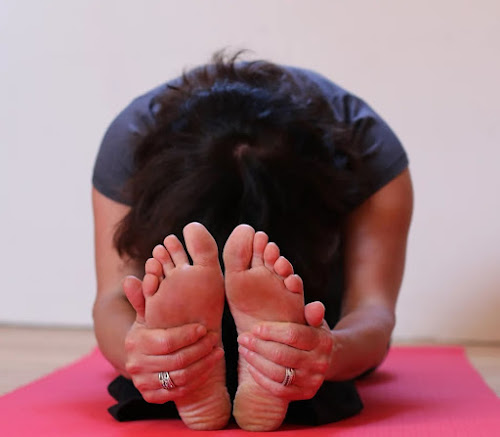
(238, 250)
(200, 244)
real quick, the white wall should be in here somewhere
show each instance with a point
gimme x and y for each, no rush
(431, 68)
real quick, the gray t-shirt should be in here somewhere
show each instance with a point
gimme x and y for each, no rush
(383, 156)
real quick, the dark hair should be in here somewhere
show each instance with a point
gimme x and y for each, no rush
(243, 142)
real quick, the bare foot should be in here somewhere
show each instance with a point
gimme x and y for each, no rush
(260, 286)
(178, 293)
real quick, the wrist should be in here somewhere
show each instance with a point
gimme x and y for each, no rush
(354, 352)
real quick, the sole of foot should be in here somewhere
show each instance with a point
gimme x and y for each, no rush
(260, 286)
(178, 293)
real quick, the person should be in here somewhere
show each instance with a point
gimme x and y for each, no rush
(198, 187)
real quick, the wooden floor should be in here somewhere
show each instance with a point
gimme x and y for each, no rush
(28, 353)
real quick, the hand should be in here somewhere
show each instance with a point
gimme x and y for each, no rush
(188, 352)
(272, 346)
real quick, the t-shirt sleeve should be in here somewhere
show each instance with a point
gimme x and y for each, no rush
(114, 164)
(382, 154)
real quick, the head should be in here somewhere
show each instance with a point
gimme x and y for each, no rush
(242, 142)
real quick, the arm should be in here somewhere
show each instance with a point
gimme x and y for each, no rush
(376, 234)
(136, 351)
(113, 314)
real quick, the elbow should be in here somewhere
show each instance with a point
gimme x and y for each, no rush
(100, 304)
(391, 321)
(96, 309)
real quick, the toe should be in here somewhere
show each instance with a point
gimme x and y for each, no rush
(314, 313)
(176, 250)
(283, 267)
(150, 284)
(132, 287)
(259, 244)
(271, 255)
(294, 284)
(154, 267)
(238, 249)
(162, 257)
(201, 245)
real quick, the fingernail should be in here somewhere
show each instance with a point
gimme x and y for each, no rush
(211, 338)
(257, 329)
(244, 339)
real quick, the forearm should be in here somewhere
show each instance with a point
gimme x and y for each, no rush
(361, 340)
(113, 317)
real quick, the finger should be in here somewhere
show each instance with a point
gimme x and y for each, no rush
(173, 339)
(197, 373)
(157, 394)
(291, 392)
(277, 353)
(138, 363)
(316, 361)
(273, 371)
(292, 334)
(151, 341)
(186, 356)
(185, 380)
(268, 368)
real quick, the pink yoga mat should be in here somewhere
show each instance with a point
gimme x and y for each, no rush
(417, 392)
